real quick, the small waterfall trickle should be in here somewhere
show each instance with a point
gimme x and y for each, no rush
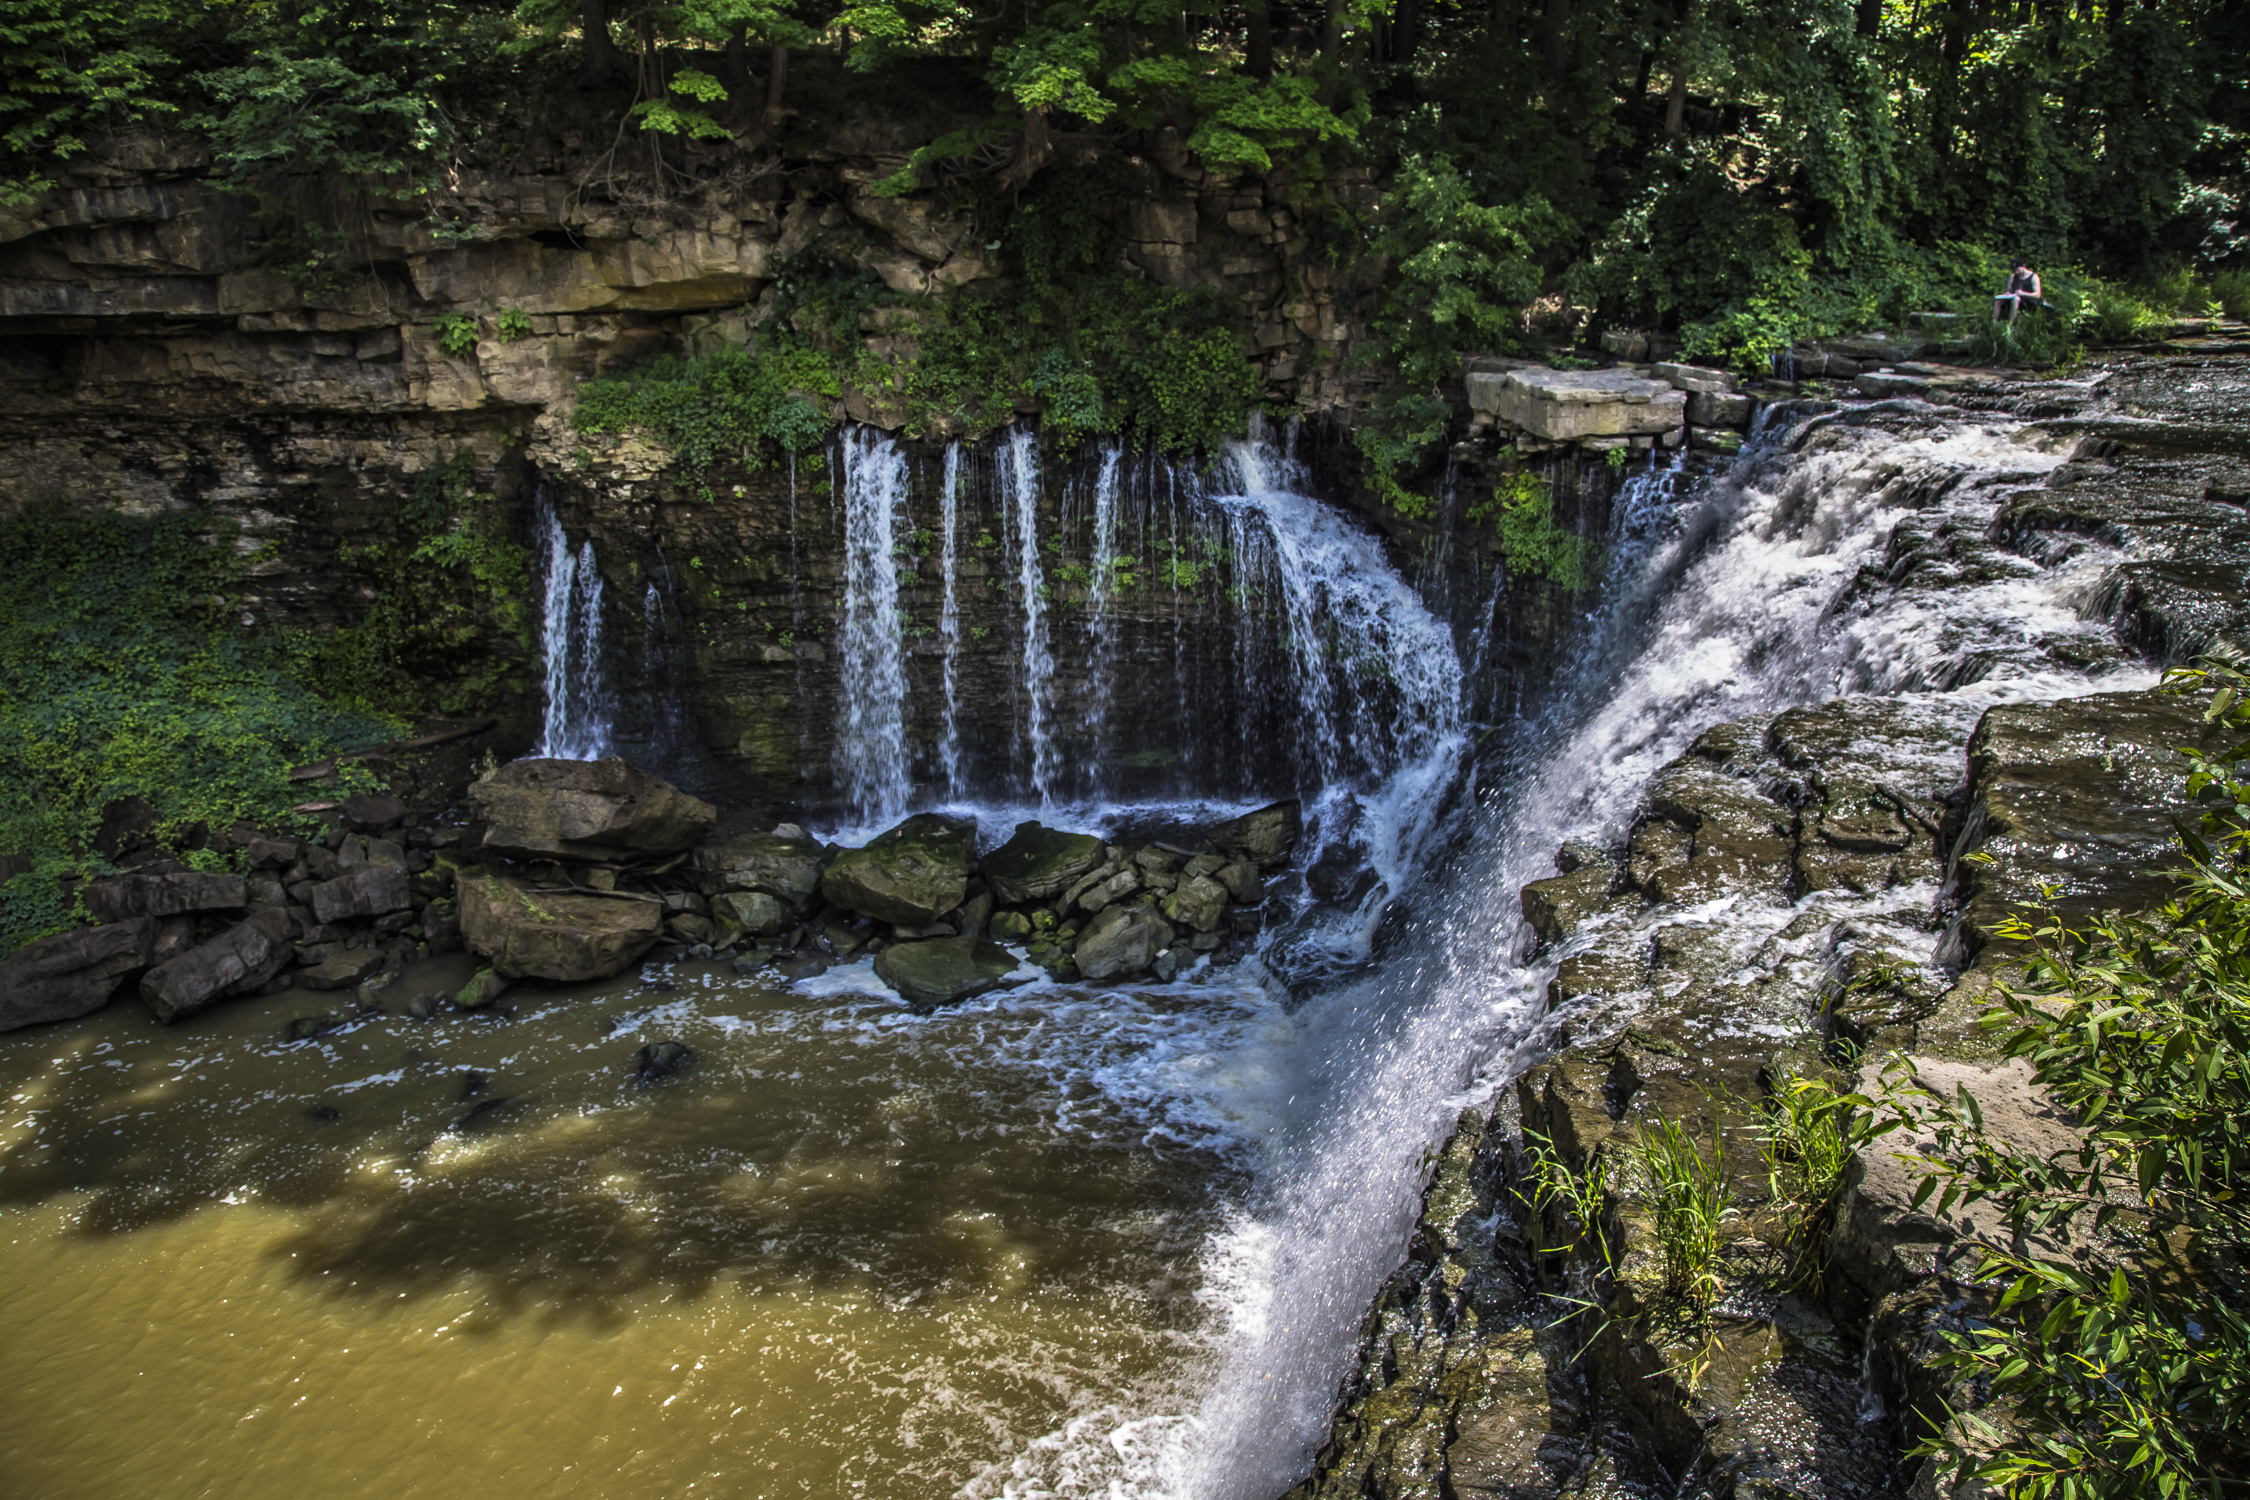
(1101, 590)
(949, 615)
(1018, 481)
(580, 706)
(870, 758)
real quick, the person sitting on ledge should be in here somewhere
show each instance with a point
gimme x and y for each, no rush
(2023, 293)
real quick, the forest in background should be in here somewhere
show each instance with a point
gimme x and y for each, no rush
(1740, 171)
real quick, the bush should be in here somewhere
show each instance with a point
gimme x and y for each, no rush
(123, 673)
(2129, 1376)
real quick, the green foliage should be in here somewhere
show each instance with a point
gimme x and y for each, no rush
(1684, 1190)
(1808, 1136)
(68, 67)
(124, 672)
(456, 334)
(511, 324)
(1580, 1199)
(1459, 275)
(738, 404)
(447, 587)
(2129, 1374)
(1533, 544)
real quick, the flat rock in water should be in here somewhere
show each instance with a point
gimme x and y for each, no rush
(562, 937)
(911, 875)
(120, 898)
(944, 971)
(343, 971)
(238, 961)
(787, 868)
(72, 972)
(584, 810)
(1039, 863)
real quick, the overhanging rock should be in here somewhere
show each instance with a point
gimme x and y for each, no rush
(1566, 405)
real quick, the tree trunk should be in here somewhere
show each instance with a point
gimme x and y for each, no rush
(738, 56)
(649, 66)
(1332, 34)
(777, 79)
(1869, 20)
(1675, 101)
(1555, 39)
(1406, 32)
(600, 61)
(1261, 40)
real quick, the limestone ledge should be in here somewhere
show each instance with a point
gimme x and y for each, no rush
(137, 284)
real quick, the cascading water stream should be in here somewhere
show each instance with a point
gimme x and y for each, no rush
(1018, 481)
(949, 615)
(1733, 612)
(870, 758)
(580, 706)
(1101, 588)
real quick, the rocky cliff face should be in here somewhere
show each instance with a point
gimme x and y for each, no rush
(159, 360)
(1794, 897)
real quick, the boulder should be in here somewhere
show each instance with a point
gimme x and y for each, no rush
(239, 961)
(1197, 903)
(483, 988)
(1567, 405)
(1121, 942)
(1695, 379)
(1039, 863)
(1242, 882)
(1720, 409)
(372, 812)
(344, 970)
(584, 810)
(911, 875)
(1101, 889)
(943, 971)
(1011, 926)
(1266, 837)
(369, 891)
(120, 898)
(783, 865)
(562, 937)
(72, 972)
(751, 912)
(661, 1060)
(970, 916)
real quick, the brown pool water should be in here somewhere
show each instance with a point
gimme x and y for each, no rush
(849, 1252)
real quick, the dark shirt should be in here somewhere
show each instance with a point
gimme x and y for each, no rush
(2024, 281)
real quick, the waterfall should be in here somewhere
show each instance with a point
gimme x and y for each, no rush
(580, 705)
(1101, 589)
(949, 615)
(870, 756)
(1728, 610)
(1018, 480)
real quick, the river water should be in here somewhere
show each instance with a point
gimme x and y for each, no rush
(1063, 1241)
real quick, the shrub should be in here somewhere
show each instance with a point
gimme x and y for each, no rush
(2129, 1376)
(124, 672)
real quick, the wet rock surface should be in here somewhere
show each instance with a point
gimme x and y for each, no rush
(1794, 897)
(914, 873)
(584, 810)
(944, 971)
(528, 932)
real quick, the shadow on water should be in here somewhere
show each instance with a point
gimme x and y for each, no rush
(814, 1142)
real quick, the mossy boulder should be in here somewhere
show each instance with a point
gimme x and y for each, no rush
(1039, 863)
(944, 971)
(1121, 942)
(584, 810)
(551, 935)
(786, 868)
(1265, 837)
(910, 876)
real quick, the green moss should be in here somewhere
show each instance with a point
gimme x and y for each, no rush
(125, 671)
(1533, 544)
(448, 587)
